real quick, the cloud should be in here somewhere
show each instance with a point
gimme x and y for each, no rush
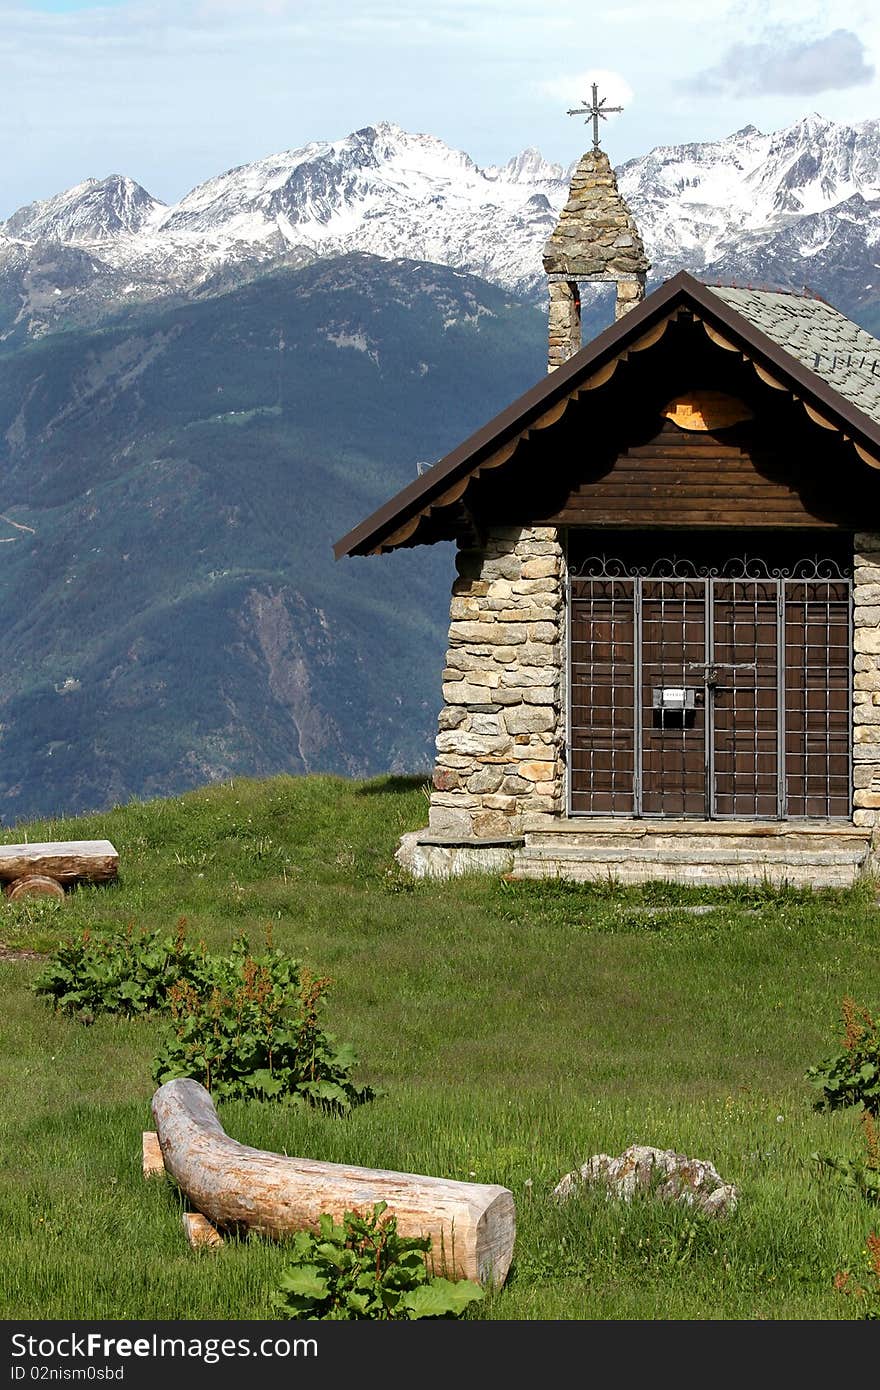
(576, 90)
(787, 65)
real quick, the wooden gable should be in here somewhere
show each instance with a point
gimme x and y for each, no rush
(618, 458)
(607, 438)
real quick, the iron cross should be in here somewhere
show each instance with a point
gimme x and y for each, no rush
(594, 112)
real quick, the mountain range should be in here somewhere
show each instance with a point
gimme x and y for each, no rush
(800, 205)
(197, 399)
(172, 487)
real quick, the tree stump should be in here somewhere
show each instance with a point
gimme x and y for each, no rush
(199, 1232)
(34, 886)
(151, 1155)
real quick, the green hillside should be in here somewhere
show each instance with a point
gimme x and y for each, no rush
(514, 1028)
(171, 610)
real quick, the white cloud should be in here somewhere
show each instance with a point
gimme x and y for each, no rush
(174, 91)
(788, 64)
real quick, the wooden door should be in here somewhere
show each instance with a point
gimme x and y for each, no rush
(602, 661)
(716, 691)
(673, 661)
(743, 679)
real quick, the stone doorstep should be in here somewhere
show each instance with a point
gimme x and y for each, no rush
(612, 825)
(689, 854)
(803, 853)
(697, 875)
(838, 862)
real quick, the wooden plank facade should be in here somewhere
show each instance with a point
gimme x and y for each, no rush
(682, 478)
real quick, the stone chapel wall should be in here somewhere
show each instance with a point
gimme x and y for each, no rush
(866, 679)
(500, 747)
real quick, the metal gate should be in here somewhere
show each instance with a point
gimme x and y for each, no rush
(716, 691)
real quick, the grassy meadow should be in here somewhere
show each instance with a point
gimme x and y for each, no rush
(514, 1028)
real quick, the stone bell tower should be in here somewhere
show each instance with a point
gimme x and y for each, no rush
(596, 241)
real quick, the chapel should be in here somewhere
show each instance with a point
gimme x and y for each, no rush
(664, 639)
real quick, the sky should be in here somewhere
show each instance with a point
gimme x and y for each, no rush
(172, 92)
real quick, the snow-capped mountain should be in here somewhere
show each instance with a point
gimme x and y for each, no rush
(753, 199)
(95, 211)
(798, 205)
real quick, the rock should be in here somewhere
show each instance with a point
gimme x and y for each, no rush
(488, 724)
(451, 716)
(662, 1173)
(494, 823)
(543, 567)
(531, 719)
(538, 771)
(486, 781)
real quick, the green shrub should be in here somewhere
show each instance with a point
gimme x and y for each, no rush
(122, 972)
(364, 1270)
(852, 1075)
(243, 1025)
(254, 1033)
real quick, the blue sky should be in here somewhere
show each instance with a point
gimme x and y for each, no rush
(173, 91)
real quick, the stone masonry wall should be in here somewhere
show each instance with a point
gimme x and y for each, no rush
(596, 235)
(499, 767)
(564, 326)
(866, 679)
(595, 241)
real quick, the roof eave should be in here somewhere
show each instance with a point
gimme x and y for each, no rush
(493, 435)
(680, 290)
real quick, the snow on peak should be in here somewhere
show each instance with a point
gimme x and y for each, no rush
(383, 190)
(529, 166)
(96, 210)
(704, 204)
(750, 204)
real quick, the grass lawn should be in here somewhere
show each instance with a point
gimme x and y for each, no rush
(515, 1028)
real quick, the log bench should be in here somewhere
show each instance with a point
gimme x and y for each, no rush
(239, 1188)
(45, 870)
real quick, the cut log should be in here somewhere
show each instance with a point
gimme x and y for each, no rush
(152, 1165)
(33, 886)
(68, 861)
(471, 1225)
(199, 1232)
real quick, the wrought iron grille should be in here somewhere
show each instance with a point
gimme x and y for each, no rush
(710, 690)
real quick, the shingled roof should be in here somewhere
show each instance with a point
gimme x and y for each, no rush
(797, 342)
(819, 336)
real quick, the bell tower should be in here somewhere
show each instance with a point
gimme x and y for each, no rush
(596, 241)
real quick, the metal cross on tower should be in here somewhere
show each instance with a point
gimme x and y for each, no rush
(594, 112)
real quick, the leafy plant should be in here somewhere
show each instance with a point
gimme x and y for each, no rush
(862, 1175)
(122, 972)
(363, 1269)
(243, 1025)
(254, 1033)
(852, 1075)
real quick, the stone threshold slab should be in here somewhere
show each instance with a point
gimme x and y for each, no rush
(637, 829)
